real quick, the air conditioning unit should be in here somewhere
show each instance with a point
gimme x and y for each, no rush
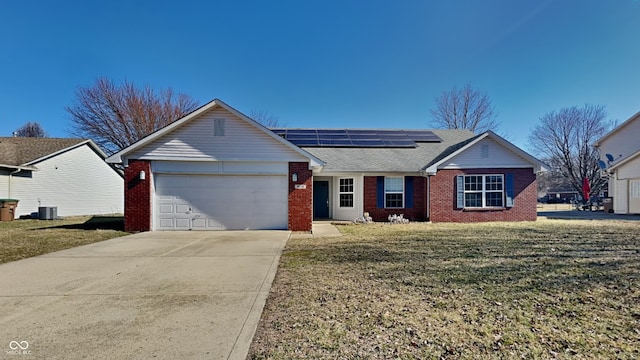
(47, 212)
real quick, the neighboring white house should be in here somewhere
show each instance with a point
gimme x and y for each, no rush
(69, 174)
(620, 155)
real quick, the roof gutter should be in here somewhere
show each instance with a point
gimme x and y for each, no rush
(16, 169)
(19, 167)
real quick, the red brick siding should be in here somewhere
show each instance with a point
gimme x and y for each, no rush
(137, 196)
(443, 197)
(300, 200)
(416, 213)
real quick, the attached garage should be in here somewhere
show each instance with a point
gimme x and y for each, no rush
(220, 202)
(216, 169)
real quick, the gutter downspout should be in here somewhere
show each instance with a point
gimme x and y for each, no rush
(428, 197)
(11, 177)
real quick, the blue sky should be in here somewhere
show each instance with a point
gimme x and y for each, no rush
(375, 64)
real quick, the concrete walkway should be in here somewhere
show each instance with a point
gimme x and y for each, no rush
(319, 229)
(163, 295)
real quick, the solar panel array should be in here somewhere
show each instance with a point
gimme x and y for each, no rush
(357, 138)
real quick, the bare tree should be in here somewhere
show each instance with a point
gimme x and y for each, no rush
(115, 116)
(465, 108)
(266, 119)
(566, 138)
(31, 129)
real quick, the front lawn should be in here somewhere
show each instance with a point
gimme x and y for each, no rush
(21, 239)
(546, 289)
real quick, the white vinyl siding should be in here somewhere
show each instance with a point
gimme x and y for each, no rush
(486, 154)
(345, 213)
(77, 182)
(4, 184)
(622, 142)
(634, 196)
(620, 186)
(630, 169)
(237, 141)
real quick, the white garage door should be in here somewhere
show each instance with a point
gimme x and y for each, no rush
(220, 202)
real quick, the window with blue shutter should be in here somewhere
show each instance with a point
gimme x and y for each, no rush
(380, 192)
(394, 192)
(484, 191)
(408, 192)
(460, 192)
(510, 193)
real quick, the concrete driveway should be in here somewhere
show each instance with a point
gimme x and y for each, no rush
(165, 295)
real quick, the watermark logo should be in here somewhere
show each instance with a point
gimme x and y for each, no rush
(18, 348)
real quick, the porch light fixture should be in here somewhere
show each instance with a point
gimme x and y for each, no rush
(142, 175)
(294, 177)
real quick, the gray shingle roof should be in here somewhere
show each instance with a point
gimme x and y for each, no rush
(340, 159)
(19, 151)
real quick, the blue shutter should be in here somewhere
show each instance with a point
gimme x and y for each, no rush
(509, 189)
(408, 192)
(460, 191)
(380, 192)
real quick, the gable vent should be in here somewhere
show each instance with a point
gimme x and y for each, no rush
(484, 151)
(218, 127)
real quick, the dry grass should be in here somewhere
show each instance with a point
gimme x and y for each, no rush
(549, 289)
(21, 239)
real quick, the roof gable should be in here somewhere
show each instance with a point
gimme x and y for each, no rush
(624, 161)
(24, 151)
(214, 132)
(621, 142)
(628, 123)
(481, 151)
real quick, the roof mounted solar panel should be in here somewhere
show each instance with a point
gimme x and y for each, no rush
(332, 132)
(357, 137)
(422, 136)
(368, 143)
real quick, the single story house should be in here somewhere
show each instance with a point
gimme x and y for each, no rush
(620, 162)
(217, 169)
(69, 174)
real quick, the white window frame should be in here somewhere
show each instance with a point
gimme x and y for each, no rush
(352, 192)
(484, 191)
(393, 192)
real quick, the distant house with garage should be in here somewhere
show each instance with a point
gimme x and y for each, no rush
(217, 169)
(620, 162)
(68, 174)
